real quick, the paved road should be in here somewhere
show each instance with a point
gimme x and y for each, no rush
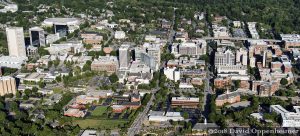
(239, 39)
(112, 33)
(137, 125)
(294, 99)
(207, 91)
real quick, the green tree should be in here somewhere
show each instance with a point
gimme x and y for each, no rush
(42, 84)
(88, 46)
(113, 78)
(56, 62)
(185, 115)
(87, 66)
(2, 116)
(42, 51)
(284, 81)
(50, 63)
(146, 99)
(58, 78)
(167, 56)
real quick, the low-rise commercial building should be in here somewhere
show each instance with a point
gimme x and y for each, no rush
(12, 62)
(172, 74)
(185, 102)
(191, 48)
(91, 38)
(120, 35)
(228, 70)
(161, 116)
(110, 64)
(288, 119)
(228, 97)
(84, 99)
(71, 112)
(291, 40)
(125, 101)
(252, 29)
(66, 48)
(51, 38)
(220, 31)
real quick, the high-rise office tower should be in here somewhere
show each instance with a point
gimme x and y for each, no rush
(37, 36)
(7, 85)
(138, 53)
(242, 56)
(124, 56)
(155, 52)
(16, 42)
(149, 61)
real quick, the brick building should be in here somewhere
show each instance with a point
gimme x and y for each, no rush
(185, 102)
(228, 97)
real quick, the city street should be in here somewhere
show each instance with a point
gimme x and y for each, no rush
(137, 125)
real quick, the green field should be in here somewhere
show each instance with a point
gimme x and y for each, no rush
(98, 123)
(99, 111)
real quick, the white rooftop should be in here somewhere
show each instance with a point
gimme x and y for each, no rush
(61, 21)
(36, 28)
(12, 62)
(190, 99)
(89, 133)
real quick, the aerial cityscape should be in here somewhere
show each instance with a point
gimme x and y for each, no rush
(149, 67)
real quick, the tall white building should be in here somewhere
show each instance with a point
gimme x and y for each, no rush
(149, 61)
(155, 52)
(172, 73)
(193, 48)
(16, 41)
(252, 30)
(252, 62)
(124, 56)
(224, 58)
(242, 56)
(37, 36)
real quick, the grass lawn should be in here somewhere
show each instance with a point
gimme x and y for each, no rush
(98, 123)
(57, 90)
(99, 111)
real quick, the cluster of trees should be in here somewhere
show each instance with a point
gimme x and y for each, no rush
(215, 116)
(146, 99)
(8, 71)
(29, 93)
(242, 115)
(71, 79)
(113, 78)
(54, 63)
(287, 92)
(254, 72)
(144, 86)
(167, 56)
(21, 124)
(3, 44)
(281, 15)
